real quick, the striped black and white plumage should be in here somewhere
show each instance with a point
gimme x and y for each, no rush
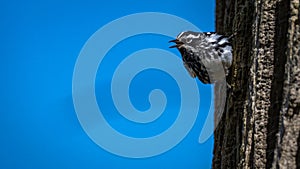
(205, 55)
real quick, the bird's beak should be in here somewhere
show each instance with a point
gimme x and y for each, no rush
(174, 46)
(174, 40)
(178, 43)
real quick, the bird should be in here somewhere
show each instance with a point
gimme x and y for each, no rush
(205, 55)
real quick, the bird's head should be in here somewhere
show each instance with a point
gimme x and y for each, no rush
(186, 42)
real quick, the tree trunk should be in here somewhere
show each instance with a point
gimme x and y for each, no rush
(260, 126)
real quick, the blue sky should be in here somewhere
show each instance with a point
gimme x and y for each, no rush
(40, 43)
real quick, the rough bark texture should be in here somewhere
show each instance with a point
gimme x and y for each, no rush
(260, 126)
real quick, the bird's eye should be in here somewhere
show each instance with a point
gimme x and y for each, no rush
(189, 40)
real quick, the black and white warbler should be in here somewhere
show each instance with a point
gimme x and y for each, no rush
(205, 55)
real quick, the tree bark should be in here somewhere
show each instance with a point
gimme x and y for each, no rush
(260, 126)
